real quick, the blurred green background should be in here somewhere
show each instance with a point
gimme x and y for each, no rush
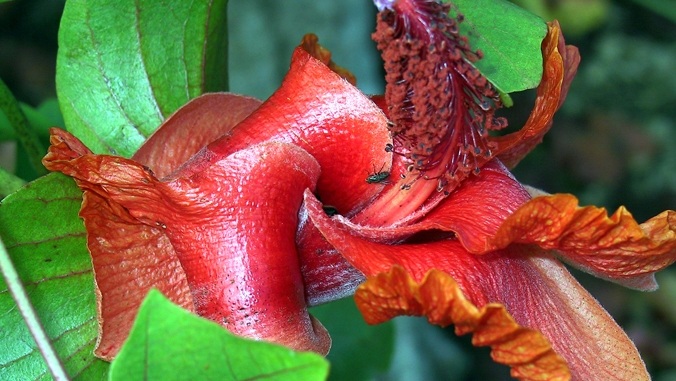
(613, 143)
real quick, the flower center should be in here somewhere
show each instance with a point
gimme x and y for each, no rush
(441, 107)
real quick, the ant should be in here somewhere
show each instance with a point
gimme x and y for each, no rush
(378, 176)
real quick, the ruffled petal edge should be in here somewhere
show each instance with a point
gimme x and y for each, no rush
(615, 248)
(439, 298)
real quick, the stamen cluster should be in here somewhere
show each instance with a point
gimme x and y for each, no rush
(441, 106)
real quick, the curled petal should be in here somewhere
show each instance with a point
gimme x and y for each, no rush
(193, 126)
(327, 276)
(474, 211)
(536, 289)
(311, 45)
(320, 112)
(129, 259)
(439, 298)
(616, 248)
(244, 280)
(560, 66)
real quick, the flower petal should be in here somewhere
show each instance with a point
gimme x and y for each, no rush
(311, 45)
(616, 248)
(439, 298)
(320, 112)
(242, 279)
(129, 259)
(474, 211)
(536, 289)
(560, 66)
(193, 126)
(327, 276)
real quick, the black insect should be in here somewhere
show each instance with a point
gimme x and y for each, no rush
(378, 176)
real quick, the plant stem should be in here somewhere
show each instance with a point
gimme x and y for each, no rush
(9, 183)
(30, 317)
(26, 134)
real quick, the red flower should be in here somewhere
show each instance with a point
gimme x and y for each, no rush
(230, 227)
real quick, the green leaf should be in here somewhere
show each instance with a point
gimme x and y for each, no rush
(124, 66)
(169, 343)
(39, 119)
(9, 183)
(46, 241)
(358, 351)
(9, 106)
(509, 38)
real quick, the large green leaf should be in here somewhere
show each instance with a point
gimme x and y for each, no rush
(124, 66)
(46, 241)
(510, 39)
(169, 343)
(358, 351)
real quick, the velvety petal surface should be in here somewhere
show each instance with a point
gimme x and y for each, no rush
(129, 259)
(616, 248)
(193, 126)
(322, 113)
(235, 243)
(537, 291)
(439, 298)
(560, 65)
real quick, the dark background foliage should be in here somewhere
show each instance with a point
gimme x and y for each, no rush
(613, 143)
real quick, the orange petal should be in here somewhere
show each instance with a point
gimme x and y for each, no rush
(557, 74)
(129, 259)
(311, 45)
(536, 289)
(193, 126)
(439, 298)
(616, 248)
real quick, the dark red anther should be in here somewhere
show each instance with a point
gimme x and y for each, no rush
(442, 106)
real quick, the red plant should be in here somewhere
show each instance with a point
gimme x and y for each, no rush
(220, 211)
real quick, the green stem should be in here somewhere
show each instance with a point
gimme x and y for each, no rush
(9, 183)
(30, 317)
(27, 135)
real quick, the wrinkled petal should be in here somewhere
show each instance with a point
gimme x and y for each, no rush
(616, 248)
(560, 66)
(439, 298)
(129, 259)
(332, 120)
(193, 126)
(243, 279)
(536, 289)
